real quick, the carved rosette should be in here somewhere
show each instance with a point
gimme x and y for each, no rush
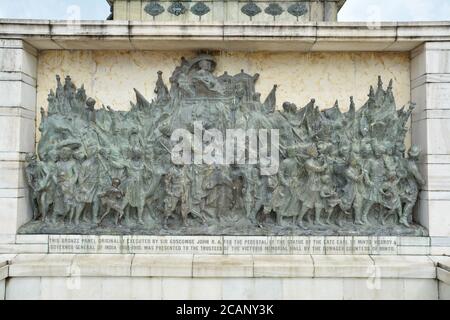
(274, 9)
(177, 8)
(251, 9)
(298, 9)
(154, 9)
(200, 9)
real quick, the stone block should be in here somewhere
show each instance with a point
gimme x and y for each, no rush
(313, 289)
(430, 136)
(41, 265)
(13, 175)
(207, 289)
(414, 241)
(162, 266)
(430, 60)
(267, 289)
(357, 266)
(238, 289)
(2, 289)
(6, 258)
(86, 288)
(338, 245)
(444, 260)
(18, 60)
(191, 289)
(23, 248)
(386, 245)
(4, 272)
(415, 267)
(431, 96)
(18, 76)
(17, 94)
(146, 288)
(443, 275)
(223, 266)
(18, 130)
(117, 288)
(7, 238)
(23, 289)
(433, 214)
(283, 266)
(438, 175)
(14, 213)
(436, 78)
(440, 241)
(176, 289)
(421, 289)
(414, 250)
(444, 291)
(363, 245)
(59, 288)
(107, 265)
(373, 289)
(31, 238)
(443, 251)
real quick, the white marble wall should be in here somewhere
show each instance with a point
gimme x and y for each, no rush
(50, 276)
(430, 89)
(18, 68)
(2, 289)
(218, 288)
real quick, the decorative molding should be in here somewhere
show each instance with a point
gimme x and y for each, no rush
(274, 9)
(251, 9)
(298, 9)
(154, 9)
(200, 9)
(177, 8)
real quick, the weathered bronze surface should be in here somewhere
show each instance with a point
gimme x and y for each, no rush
(100, 171)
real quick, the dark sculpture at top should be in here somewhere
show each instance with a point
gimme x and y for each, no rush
(336, 173)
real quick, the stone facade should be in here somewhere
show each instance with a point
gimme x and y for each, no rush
(188, 277)
(430, 89)
(300, 76)
(419, 270)
(230, 11)
(18, 69)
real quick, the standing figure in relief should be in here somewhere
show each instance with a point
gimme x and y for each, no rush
(410, 185)
(135, 193)
(33, 183)
(285, 200)
(391, 197)
(64, 198)
(374, 172)
(47, 185)
(88, 185)
(178, 189)
(354, 190)
(311, 194)
(329, 195)
(66, 179)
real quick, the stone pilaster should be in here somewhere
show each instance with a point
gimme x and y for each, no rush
(430, 90)
(18, 64)
(330, 11)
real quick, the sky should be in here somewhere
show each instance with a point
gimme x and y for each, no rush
(353, 10)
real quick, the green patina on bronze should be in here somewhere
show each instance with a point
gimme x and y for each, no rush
(100, 171)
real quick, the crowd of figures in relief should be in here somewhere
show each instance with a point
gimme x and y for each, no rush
(99, 170)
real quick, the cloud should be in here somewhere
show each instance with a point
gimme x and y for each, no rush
(353, 10)
(395, 10)
(54, 9)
